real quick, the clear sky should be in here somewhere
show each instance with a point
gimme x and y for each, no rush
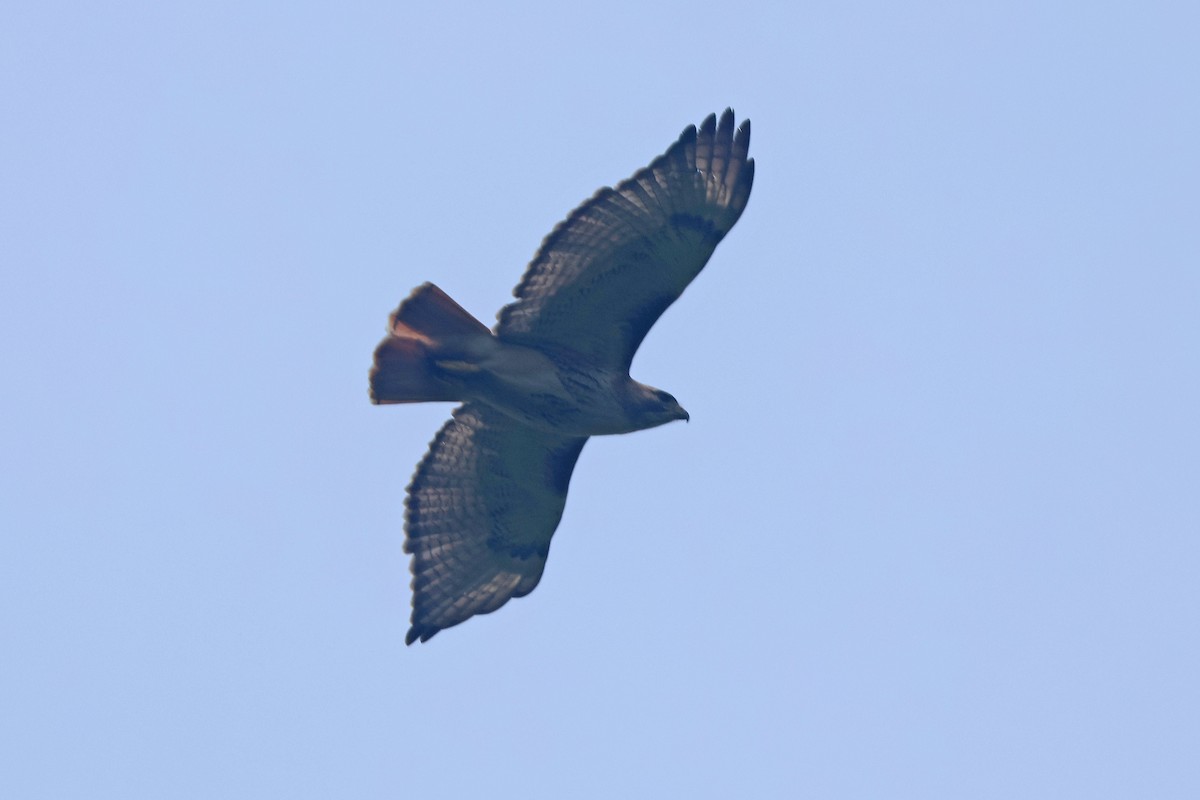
(932, 532)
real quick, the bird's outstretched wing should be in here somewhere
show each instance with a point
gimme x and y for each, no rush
(480, 512)
(604, 276)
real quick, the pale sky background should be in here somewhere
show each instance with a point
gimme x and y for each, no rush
(934, 528)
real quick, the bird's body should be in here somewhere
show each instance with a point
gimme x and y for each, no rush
(488, 495)
(549, 389)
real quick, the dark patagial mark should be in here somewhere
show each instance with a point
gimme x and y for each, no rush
(559, 465)
(642, 319)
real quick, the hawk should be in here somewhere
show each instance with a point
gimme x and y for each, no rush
(487, 497)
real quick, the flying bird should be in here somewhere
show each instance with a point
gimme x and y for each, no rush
(488, 495)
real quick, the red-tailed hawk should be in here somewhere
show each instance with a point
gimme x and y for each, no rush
(485, 500)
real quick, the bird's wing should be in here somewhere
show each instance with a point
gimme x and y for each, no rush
(480, 512)
(604, 276)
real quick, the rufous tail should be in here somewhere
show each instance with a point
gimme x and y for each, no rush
(427, 324)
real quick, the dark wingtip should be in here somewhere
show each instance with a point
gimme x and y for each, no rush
(726, 123)
(422, 632)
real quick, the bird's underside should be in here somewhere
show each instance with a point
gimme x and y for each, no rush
(486, 499)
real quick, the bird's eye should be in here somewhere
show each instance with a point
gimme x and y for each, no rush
(664, 397)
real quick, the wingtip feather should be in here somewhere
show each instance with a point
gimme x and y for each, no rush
(741, 139)
(422, 632)
(725, 127)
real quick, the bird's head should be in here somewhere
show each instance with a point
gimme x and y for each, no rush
(653, 407)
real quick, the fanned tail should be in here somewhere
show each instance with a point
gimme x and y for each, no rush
(426, 325)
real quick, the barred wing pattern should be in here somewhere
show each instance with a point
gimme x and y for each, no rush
(603, 277)
(480, 512)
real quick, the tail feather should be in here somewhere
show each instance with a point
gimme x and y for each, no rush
(404, 373)
(428, 325)
(430, 313)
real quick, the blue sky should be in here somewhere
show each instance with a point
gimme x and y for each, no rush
(931, 532)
